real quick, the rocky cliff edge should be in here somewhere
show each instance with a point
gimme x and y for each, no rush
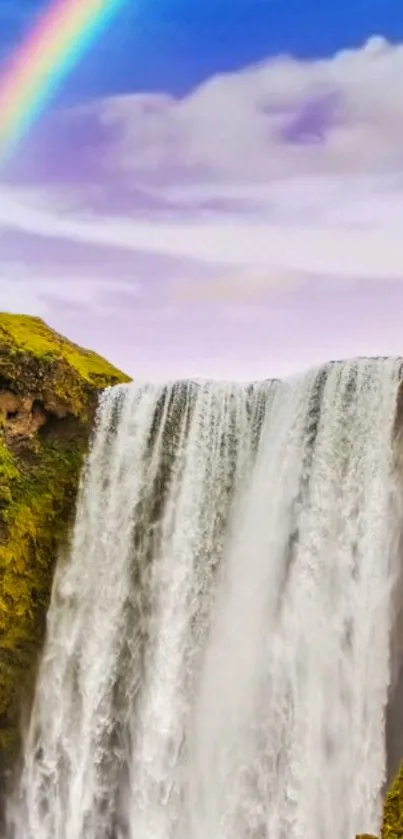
(48, 395)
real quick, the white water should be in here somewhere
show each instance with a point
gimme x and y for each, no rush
(217, 655)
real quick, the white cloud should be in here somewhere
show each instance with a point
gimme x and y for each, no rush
(352, 252)
(306, 157)
(349, 110)
(40, 295)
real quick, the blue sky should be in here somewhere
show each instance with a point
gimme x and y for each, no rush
(176, 44)
(245, 223)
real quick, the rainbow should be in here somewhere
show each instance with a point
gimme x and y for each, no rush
(40, 65)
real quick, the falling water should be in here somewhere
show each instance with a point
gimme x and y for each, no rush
(217, 654)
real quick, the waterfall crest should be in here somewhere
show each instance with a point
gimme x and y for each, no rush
(217, 655)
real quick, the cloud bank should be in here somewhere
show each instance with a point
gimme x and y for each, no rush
(284, 176)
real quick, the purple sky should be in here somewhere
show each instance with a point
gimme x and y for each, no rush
(252, 228)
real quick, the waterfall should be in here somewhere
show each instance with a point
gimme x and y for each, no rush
(217, 661)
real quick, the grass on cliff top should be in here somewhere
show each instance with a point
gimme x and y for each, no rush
(31, 335)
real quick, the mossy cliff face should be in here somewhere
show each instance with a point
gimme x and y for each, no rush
(48, 394)
(393, 811)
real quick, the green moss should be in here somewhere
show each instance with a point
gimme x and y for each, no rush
(393, 812)
(9, 472)
(35, 518)
(29, 334)
(39, 473)
(65, 373)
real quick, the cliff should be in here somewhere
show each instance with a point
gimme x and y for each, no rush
(48, 394)
(393, 811)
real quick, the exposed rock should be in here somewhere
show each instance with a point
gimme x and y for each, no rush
(23, 416)
(48, 394)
